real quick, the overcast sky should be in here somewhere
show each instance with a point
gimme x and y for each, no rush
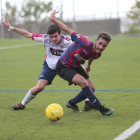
(86, 7)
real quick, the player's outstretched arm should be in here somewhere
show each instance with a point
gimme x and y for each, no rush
(17, 30)
(60, 24)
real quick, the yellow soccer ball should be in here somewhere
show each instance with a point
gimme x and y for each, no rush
(54, 112)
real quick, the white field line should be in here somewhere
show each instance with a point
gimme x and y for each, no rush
(127, 133)
(17, 46)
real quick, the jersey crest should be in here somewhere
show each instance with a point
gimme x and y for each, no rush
(79, 57)
(56, 52)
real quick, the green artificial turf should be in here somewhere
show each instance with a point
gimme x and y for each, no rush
(116, 78)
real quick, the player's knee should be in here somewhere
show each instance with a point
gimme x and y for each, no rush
(92, 88)
(39, 88)
(83, 83)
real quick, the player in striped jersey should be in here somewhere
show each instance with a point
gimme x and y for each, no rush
(69, 65)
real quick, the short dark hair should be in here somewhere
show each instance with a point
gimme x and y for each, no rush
(53, 28)
(106, 36)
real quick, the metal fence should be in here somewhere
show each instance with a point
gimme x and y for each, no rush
(86, 28)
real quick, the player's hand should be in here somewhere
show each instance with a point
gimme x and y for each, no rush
(87, 68)
(52, 17)
(6, 23)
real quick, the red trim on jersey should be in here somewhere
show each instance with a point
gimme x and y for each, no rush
(46, 57)
(36, 35)
(46, 54)
(60, 40)
(64, 59)
(76, 44)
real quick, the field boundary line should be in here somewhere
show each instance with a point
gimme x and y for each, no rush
(18, 46)
(127, 133)
(80, 90)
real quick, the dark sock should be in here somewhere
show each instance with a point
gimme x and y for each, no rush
(80, 97)
(90, 95)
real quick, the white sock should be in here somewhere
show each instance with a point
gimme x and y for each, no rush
(87, 99)
(27, 98)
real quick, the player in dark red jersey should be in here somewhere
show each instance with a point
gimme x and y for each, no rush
(69, 65)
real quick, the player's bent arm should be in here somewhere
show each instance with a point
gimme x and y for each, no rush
(88, 64)
(23, 32)
(60, 24)
(90, 61)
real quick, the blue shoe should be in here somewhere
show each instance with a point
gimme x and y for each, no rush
(106, 111)
(73, 107)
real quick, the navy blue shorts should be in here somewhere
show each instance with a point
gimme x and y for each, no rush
(47, 73)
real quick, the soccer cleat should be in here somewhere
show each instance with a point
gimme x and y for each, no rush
(73, 107)
(18, 106)
(89, 105)
(106, 111)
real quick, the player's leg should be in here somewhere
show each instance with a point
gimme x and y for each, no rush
(31, 94)
(86, 91)
(78, 98)
(46, 77)
(67, 74)
(103, 110)
(34, 91)
(80, 79)
(72, 75)
(82, 72)
(88, 104)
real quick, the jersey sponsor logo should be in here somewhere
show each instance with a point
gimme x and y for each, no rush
(56, 52)
(79, 57)
(61, 46)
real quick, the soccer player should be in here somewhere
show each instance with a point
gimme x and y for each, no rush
(69, 64)
(55, 44)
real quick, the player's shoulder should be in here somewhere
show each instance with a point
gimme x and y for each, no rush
(39, 35)
(78, 37)
(66, 39)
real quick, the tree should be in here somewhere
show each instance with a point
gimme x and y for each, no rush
(134, 14)
(35, 11)
(11, 13)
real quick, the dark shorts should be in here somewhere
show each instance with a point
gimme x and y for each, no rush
(67, 73)
(47, 73)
